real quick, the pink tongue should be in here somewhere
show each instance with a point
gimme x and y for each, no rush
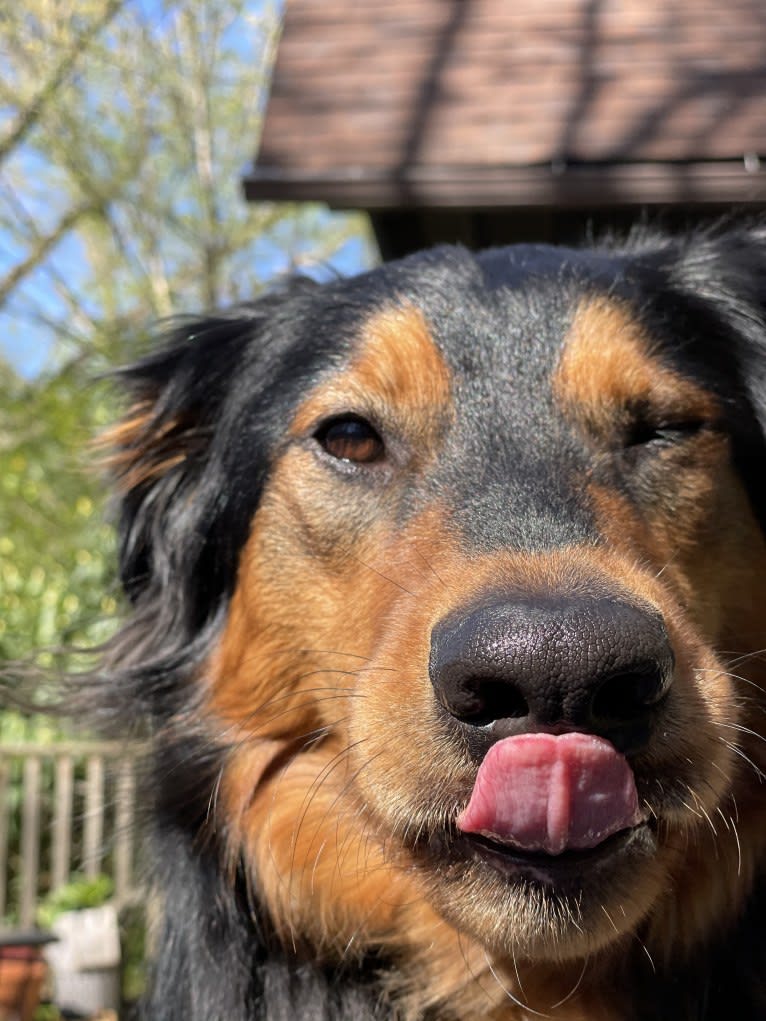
(542, 792)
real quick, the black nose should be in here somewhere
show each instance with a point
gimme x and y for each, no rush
(595, 664)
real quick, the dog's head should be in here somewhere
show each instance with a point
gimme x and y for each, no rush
(458, 566)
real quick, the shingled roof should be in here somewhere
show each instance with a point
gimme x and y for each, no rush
(482, 103)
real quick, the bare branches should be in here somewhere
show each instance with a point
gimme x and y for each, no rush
(32, 110)
(43, 246)
(120, 191)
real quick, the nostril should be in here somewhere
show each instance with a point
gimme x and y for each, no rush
(481, 700)
(629, 696)
(594, 664)
(501, 701)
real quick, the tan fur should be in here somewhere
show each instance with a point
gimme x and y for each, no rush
(608, 363)
(396, 370)
(337, 754)
(137, 452)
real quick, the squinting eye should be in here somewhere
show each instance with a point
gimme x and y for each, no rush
(351, 439)
(665, 434)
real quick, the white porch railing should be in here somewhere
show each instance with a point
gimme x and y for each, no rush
(65, 809)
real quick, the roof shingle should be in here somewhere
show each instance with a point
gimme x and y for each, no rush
(389, 97)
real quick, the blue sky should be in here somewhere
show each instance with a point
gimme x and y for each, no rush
(30, 346)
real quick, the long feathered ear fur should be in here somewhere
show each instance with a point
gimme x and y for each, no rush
(173, 558)
(712, 281)
(728, 271)
(177, 561)
(189, 460)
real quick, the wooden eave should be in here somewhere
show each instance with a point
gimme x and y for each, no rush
(482, 103)
(740, 181)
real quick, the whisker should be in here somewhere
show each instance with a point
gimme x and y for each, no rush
(742, 729)
(738, 751)
(646, 951)
(284, 696)
(727, 673)
(429, 565)
(666, 565)
(610, 919)
(385, 577)
(574, 988)
(689, 808)
(723, 817)
(739, 848)
(523, 1006)
(313, 789)
(738, 658)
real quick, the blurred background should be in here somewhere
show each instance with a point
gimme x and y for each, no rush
(159, 158)
(125, 131)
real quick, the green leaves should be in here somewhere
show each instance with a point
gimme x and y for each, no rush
(56, 548)
(74, 896)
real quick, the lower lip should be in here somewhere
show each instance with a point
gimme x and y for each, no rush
(555, 870)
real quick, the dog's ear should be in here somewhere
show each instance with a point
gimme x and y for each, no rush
(189, 457)
(162, 451)
(721, 274)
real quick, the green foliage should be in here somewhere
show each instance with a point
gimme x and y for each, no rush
(133, 937)
(56, 550)
(47, 1012)
(57, 575)
(73, 896)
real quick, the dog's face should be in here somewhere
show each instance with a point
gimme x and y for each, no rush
(478, 564)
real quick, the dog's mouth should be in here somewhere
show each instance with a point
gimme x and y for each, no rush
(561, 870)
(550, 805)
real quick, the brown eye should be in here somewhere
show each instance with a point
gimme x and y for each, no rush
(351, 439)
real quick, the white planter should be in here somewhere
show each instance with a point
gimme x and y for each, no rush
(85, 963)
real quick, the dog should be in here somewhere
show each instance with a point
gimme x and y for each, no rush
(446, 589)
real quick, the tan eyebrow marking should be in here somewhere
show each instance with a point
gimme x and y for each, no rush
(608, 364)
(397, 367)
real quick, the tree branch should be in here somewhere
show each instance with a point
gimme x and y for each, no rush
(45, 245)
(34, 110)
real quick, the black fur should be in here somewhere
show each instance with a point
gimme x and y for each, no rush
(220, 391)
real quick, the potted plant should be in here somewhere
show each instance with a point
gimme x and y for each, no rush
(85, 960)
